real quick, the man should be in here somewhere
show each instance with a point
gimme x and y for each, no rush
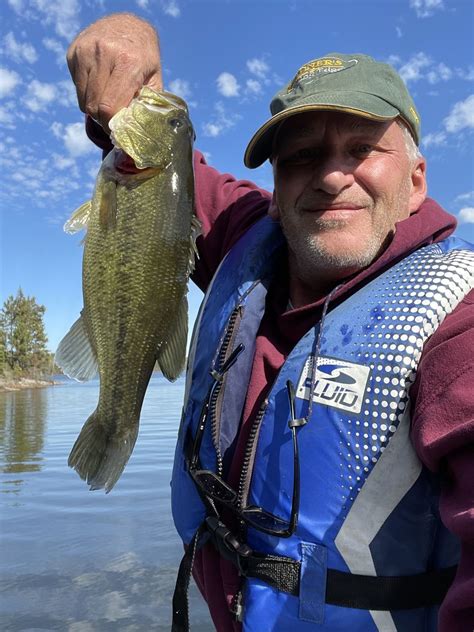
(323, 472)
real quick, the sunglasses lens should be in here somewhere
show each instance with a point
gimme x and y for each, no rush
(214, 486)
(260, 519)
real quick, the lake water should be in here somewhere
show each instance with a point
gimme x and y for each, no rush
(81, 561)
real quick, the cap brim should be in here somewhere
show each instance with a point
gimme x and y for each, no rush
(357, 103)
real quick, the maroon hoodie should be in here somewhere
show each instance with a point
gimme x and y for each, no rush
(442, 396)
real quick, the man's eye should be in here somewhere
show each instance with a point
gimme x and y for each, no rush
(301, 156)
(364, 148)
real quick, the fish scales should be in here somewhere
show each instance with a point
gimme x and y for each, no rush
(138, 256)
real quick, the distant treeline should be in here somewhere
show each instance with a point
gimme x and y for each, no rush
(23, 340)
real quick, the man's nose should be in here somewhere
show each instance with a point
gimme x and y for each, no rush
(332, 175)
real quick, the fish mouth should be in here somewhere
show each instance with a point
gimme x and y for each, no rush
(125, 164)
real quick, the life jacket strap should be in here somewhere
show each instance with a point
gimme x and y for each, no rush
(346, 590)
(343, 589)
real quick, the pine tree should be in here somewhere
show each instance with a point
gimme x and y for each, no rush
(24, 335)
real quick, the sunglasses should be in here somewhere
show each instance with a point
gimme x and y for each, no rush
(212, 487)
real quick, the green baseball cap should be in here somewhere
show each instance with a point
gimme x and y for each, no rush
(356, 84)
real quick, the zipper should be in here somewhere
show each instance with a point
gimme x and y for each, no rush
(216, 401)
(236, 607)
(249, 457)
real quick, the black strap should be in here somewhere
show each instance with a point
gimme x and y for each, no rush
(342, 589)
(388, 593)
(180, 621)
(283, 573)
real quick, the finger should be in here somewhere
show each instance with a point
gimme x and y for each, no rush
(79, 74)
(97, 79)
(123, 83)
(155, 81)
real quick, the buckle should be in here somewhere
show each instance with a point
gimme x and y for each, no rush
(227, 543)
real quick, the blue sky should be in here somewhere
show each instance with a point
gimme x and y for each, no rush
(226, 58)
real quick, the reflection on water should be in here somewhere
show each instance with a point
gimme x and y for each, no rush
(77, 560)
(22, 426)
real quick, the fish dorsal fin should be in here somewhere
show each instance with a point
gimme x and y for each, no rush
(75, 354)
(171, 356)
(79, 219)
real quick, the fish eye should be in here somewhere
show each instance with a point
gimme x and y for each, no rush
(175, 122)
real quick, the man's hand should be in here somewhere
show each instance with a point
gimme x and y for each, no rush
(110, 61)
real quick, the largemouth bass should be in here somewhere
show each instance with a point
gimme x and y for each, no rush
(138, 254)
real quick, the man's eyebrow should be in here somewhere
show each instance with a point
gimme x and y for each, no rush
(361, 124)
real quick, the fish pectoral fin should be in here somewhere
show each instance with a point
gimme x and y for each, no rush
(99, 456)
(79, 219)
(171, 355)
(108, 204)
(75, 354)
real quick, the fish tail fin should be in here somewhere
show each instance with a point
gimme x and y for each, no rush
(98, 456)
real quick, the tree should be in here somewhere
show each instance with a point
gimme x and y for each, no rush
(25, 340)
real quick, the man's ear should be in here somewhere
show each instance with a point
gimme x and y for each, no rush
(273, 210)
(418, 185)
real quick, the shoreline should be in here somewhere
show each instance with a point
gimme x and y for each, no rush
(23, 383)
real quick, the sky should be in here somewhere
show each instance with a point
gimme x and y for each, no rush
(227, 58)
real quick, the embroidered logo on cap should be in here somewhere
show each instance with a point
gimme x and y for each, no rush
(339, 383)
(319, 67)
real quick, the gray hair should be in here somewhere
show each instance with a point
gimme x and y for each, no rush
(412, 149)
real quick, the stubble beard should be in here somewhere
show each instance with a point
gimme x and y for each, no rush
(310, 258)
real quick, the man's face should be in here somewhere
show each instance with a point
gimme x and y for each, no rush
(341, 184)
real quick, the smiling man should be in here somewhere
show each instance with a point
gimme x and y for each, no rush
(341, 184)
(323, 475)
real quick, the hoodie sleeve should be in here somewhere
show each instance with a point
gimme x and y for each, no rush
(443, 435)
(226, 208)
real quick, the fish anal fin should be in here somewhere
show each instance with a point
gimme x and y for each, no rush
(75, 354)
(171, 356)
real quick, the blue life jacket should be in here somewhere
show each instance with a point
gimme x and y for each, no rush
(367, 505)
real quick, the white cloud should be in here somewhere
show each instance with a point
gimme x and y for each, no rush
(56, 47)
(181, 87)
(434, 139)
(253, 86)
(62, 14)
(258, 67)
(227, 85)
(441, 72)
(143, 4)
(426, 8)
(398, 31)
(412, 70)
(63, 162)
(466, 215)
(171, 7)
(6, 118)
(461, 115)
(39, 95)
(67, 94)
(18, 51)
(466, 197)
(74, 138)
(9, 79)
(222, 121)
(467, 75)
(460, 118)
(17, 5)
